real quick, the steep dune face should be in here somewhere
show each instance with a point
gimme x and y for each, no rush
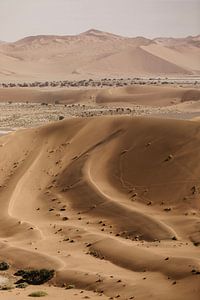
(104, 206)
(133, 62)
(97, 54)
(186, 56)
(183, 51)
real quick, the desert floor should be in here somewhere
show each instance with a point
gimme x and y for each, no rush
(107, 197)
(27, 107)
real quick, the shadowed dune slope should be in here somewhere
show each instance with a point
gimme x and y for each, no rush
(112, 204)
(135, 61)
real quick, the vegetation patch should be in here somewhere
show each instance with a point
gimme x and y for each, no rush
(35, 277)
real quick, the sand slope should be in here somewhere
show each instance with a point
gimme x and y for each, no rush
(115, 209)
(97, 54)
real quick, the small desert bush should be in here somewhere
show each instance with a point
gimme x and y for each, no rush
(4, 266)
(61, 118)
(38, 294)
(35, 277)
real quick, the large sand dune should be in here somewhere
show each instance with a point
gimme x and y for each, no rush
(112, 204)
(97, 54)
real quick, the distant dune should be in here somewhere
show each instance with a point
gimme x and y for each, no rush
(137, 94)
(148, 95)
(115, 209)
(97, 54)
(35, 95)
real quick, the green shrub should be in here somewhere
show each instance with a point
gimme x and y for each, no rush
(38, 294)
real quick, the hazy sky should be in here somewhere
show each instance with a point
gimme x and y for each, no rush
(150, 18)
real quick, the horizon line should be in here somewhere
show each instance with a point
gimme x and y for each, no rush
(100, 31)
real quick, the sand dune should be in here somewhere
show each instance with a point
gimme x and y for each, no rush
(97, 54)
(148, 95)
(113, 210)
(45, 95)
(137, 94)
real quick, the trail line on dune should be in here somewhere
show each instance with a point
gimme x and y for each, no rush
(18, 188)
(94, 185)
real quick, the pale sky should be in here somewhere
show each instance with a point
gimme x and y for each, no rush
(149, 18)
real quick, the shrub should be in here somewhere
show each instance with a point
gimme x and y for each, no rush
(35, 277)
(22, 285)
(4, 266)
(38, 294)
